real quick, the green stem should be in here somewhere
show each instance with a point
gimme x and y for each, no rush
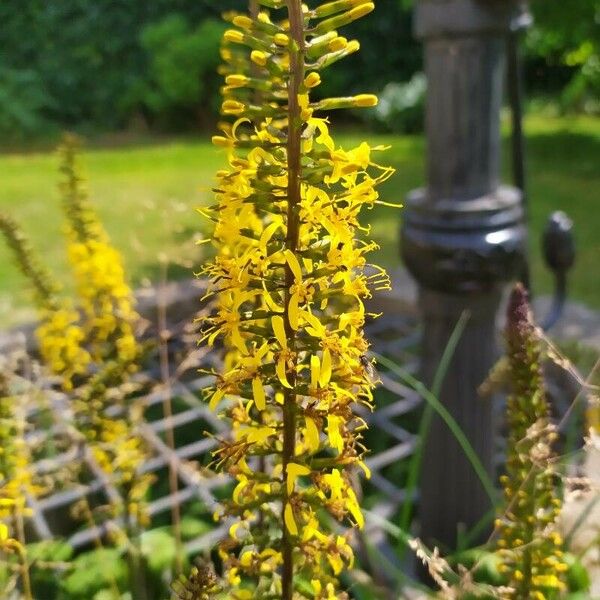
(291, 243)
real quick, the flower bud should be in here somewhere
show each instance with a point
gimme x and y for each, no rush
(259, 58)
(234, 36)
(281, 39)
(338, 43)
(237, 80)
(365, 100)
(243, 22)
(312, 80)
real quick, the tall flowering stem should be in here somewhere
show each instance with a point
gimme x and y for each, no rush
(290, 277)
(529, 544)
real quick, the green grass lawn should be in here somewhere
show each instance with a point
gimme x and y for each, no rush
(147, 193)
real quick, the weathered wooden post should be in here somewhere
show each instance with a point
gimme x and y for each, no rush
(463, 238)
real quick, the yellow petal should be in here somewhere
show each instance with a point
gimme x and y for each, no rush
(293, 312)
(288, 517)
(233, 530)
(3, 532)
(366, 469)
(315, 369)
(279, 330)
(216, 398)
(292, 261)
(356, 513)
(333, 431)
(280, 370)
(238, 490)
(271, 304)
(259, 393)
(316, 330)
(267, 234)
(294, 470)
(325, 375)
(312, 434)
(238, 341)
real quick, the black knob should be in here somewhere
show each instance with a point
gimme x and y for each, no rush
(558, 242)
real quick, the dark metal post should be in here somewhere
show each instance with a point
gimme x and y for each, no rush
(463, 237)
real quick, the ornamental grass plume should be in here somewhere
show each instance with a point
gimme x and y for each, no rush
(529, 544)
(290, 278)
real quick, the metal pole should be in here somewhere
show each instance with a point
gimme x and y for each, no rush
(463, 236)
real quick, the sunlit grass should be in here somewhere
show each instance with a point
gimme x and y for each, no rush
(146, 195)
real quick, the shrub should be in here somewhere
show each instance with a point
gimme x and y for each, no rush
(183, 84)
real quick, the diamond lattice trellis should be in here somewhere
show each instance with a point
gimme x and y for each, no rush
(58, 446)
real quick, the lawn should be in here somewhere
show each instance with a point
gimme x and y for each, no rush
(146, 194)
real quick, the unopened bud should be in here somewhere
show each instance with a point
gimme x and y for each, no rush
(236, 81)
(337, 44)
(281, 39)
(312, 80)
(259, 58)
(243, 22)
(234, 36)
(365, 100)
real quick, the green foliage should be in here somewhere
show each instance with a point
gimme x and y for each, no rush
(182, 67)
(23, 100)
(101, 62)
(45, 583)
(563, 49)
(401, 107)
(93, 572)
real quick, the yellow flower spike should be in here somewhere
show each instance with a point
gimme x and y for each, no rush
(290, 522)
(294, 470)
(259, 394)
(289, 279)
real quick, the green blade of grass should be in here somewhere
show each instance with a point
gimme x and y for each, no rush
(415, 463)
(448, 419)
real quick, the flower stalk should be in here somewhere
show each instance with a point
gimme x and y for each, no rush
(291, 244)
